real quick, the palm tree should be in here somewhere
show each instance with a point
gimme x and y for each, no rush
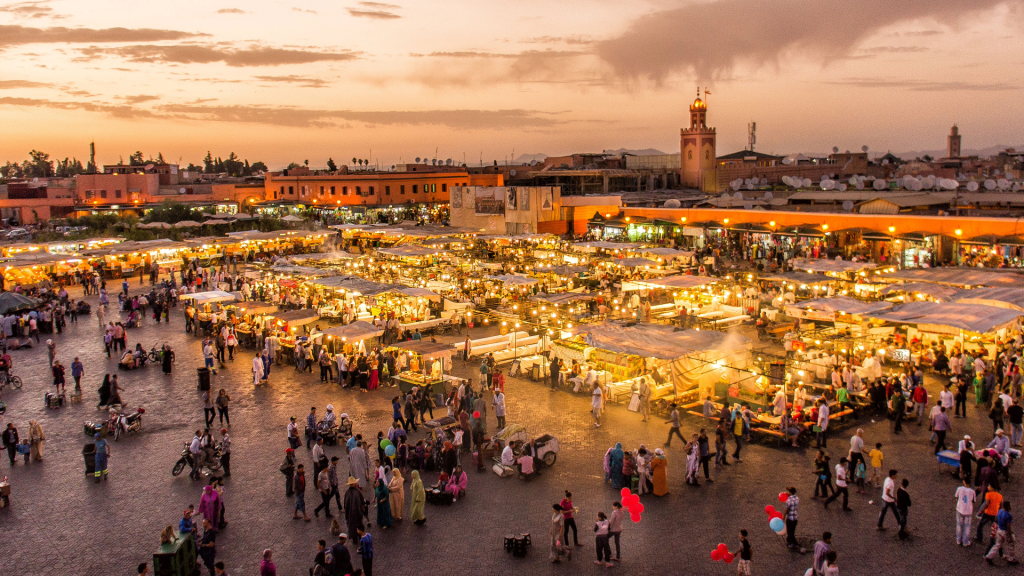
(367, 163)
(353, 160)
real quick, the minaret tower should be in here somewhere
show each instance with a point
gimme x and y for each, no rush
(697, 158)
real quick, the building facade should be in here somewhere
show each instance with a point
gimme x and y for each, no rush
(697, 151)
(369, 188)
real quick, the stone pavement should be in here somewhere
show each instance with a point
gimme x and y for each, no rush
(60, 522)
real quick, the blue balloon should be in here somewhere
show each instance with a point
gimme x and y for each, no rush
(390, 450)
(776, 524)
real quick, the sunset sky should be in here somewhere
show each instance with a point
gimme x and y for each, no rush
(284, 81)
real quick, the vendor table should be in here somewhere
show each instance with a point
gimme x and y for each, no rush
(423, 325)
(408, 380)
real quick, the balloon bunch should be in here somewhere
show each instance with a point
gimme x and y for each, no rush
(775, 518)
(722, 553)
(389, 449)
(632, 503)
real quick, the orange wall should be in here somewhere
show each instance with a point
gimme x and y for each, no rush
(968, 226)
(387, 187)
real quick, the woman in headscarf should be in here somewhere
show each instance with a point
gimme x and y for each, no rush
(383, 504)
(692, 461)
(419, 499)
(167, 359)
(209, 506)
(457, 483)
(558, 548)
(36, 438)
(643, 469)
(615, 458)
(104, 391)
(659, 473)
(397, 494)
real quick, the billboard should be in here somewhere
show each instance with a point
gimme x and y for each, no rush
(490, 201)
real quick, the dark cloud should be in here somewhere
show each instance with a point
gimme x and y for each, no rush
(32, 10)
(304, 81)
(14, 84)
(231, 11)
(206, 54)
(926, 85)
(708, 39)
(19, 35)
(372, 14)
(138, 99)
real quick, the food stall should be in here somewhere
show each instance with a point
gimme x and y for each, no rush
(426, 361)
(336, 337)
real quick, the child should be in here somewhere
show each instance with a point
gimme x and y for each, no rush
(858, 475)
(604, 550)
(745, 553)
(876, 465)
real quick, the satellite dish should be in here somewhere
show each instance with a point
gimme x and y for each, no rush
(1003, 184)
(1016, 187)
(864, 148)
(417, 159)
(835, 149)
(764, 181)
(842, 187)
(448, 162)
(990, 184)
(181, 190)
(738, 195)
(148, 166)
(880, 184)
(916, 185)
(848, 205)
(823, 177)
(928, 182)
(787, 161)
(768, 195)
(806, 182)
(750, 186)
(859, 184)
(673, 203)
(512, 172)
(972, 186)
(734, 185)
(747, 206)
(828, 184)
(533, 162)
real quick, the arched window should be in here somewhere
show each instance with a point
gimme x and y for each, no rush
(707, 155)
(689, 155)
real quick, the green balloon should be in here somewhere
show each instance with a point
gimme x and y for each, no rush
(385, 443)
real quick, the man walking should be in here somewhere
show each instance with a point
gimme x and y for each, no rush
(645, 399)
(792, 504)
(888, 499)
(822, 548)
(673, 420)
(225, 452)
(842, 476)
(965, 498)
(323, 485)
(1004, 537)
(332, 477)
(366, 550)
(822, 425)
(903, 506)
(941, 425)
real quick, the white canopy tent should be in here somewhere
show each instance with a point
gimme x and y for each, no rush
(950, 318)
(826, 265)
(354, 332)
(1011, 298)
(209, 297)
(937, 291)
(681, 281)
(514, 279)
(831, 309)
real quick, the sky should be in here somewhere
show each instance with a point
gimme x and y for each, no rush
(282, 81)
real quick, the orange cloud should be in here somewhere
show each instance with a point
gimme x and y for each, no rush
(203, 54)
(15, 35)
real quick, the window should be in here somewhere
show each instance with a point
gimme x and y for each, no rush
(103, 193)
(403, 189)
(359, 191)
(387, 190)
(707, 154)
(321, 190)
(344, 190)
(117, 193)
(414, 188)
(291, 190)
(89, 193)
(433, 188)
(275, 194)
(282, 191)
(689, 155)
(332, 190)
(371, 190)
(444, 187)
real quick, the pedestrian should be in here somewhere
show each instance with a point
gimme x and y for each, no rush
(319, 458)
(288, 469)
(842, 475)
(888, 499)
(597, 404)
(332, 477)
(209, 409)
(659, 472)
(209, 506)
(365, 550)
(218, 569)
(993, 503)
(737, 433)
(259, 370)
(222, 406)
(207, 545)
(36, 438)
(941, 425)
(419, 499)
(558, 547)
(498, 401)
(323, 486)
(604, 551)
(9, 440)
(51, 351)
(721, 448)
(856, 449)
(877, 458)
(965, 498)
(673, 421)
(822, 549)
(792, 517)
(1004, 545)
(299, 485)
(225, 452)
(267, 567)
(821, 428)
(903, 504)
(615, 528)
(208, 354)
(341, 558)
(311, 428)
(569, 519)
(77, 371)
(745, 553)
(102, 453)
(166, 359)
(355, 506)
(58, 376)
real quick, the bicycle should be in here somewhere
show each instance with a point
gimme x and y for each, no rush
(7, 378)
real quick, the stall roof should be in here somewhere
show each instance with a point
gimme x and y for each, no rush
(564, 297)
(356, 284)
(826, 265)
(841, 304)
(970, 317)
(426, 347)
(355, 332)
(658, 340)
(684, 281)
(1012, 298)
(296, 317)
(407, 251)
(417, 292)
(941, 293)
(283, 268)
(667, 252)
(209, 297)
(514, 279)
(634, 262)
(605, 245)
(320, 257)
(561, 270)
(255, 308)
(797, 277)
(959, 277)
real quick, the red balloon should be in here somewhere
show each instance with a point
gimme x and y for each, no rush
(634, 499)
(634, 517)
(783, 496)
(723, 548)
(638, 508)
(625, 494)
(769, 509)
(728, 557)
(716, 555)
(777, 514)
(476, 414)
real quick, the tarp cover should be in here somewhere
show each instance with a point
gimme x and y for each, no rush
(840, 304)
(634, 262)
(590, 246)
(564, 297)
(296, 317)
(1012, 298)
(797, 278)
(684, 281)
(936, 291)
(969, 317)
(411, 251)
(658, 340)
(514, 279)
(826, 265)
(353, 332)
(209, 297)
(959, 277)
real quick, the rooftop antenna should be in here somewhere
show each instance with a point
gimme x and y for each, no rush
(751, 135)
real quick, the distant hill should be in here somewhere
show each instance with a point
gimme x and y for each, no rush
(527, 158)
(981, 152)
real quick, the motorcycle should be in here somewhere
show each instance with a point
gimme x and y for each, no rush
(156, 354)
(186, 460)
(122, 423)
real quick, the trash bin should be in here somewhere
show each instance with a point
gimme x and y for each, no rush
(204, 378)
(89, 453)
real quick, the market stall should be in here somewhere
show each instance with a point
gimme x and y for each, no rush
(426, 362)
